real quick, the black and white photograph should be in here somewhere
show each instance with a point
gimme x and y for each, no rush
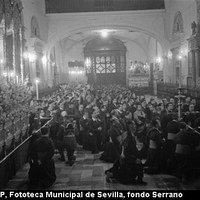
(99, 98)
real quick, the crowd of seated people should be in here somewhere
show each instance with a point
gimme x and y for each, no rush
(12, 95)
(104, 118)
(14, 108)
(126, 129)
(13, 98)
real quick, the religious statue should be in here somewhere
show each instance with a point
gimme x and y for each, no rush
(194, 28)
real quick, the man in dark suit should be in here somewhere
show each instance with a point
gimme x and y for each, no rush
(84, 129)
(95, 134)
(42, 169)
(166, 116)
(185, 142)
(113, 105)
(55, 128)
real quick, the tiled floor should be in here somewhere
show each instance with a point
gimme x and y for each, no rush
(88, 174)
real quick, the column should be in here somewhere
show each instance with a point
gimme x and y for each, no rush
(44, 69)
(180, 72)
(155, 87)
(193, 62)
(40, 70)
(197, 59)
(175, 64)
(151, 73)
(49, 70)
(166, 67)
(14, 61)
(21, 56)
(32, 63)
(197, 81)
(2, 59)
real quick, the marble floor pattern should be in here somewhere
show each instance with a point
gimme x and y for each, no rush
(88, 174)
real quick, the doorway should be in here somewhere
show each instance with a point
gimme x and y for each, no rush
(107, 61)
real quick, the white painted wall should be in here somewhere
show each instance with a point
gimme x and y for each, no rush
(189, 14)
(70, 55)
(157, 24)
(35, 8)
(64, 25)
(59, 61)
(146, 22)
(141, 49)
(135, 52)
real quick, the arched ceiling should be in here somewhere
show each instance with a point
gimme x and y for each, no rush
(86, 35)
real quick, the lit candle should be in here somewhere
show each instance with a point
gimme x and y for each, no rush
(17, 79)
(37, 91)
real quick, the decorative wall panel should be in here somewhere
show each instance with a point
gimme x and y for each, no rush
(11, 19)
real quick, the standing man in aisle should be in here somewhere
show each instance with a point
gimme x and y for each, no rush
(42, 169)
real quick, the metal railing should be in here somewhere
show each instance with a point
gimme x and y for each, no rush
(13, 129)
(170, 90)
(13, 125)
(16, 158)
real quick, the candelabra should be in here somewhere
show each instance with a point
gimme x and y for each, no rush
(179, 97)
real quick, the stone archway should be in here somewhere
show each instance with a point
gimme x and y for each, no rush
(63, 33)
(119, 21)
